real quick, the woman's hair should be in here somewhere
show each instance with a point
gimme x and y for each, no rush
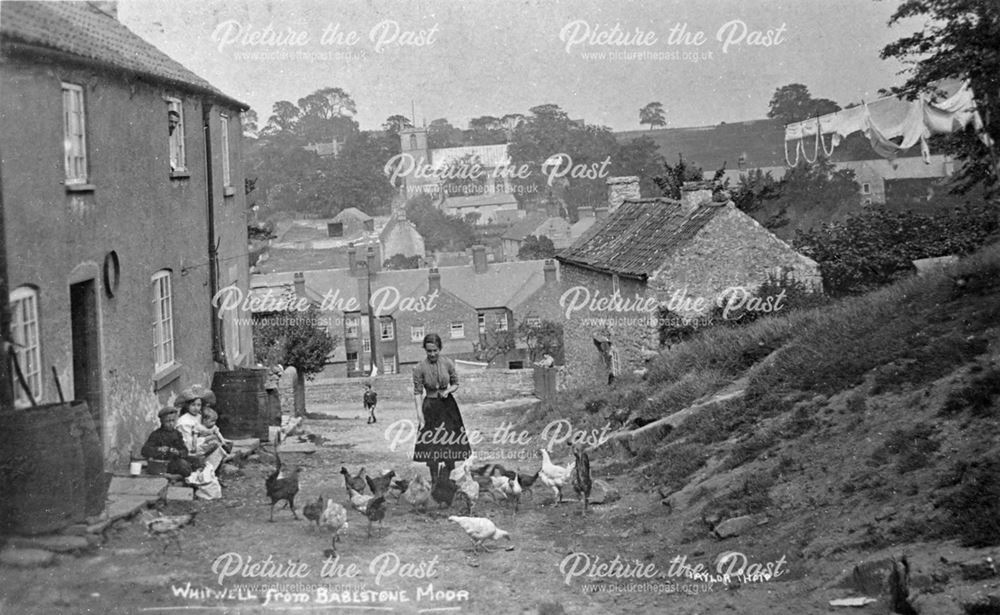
(433, 338)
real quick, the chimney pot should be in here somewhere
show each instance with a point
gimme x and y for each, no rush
(433, 281)
(300, 284)
(550, 271)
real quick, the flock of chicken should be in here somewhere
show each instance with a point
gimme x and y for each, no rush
(458, 490)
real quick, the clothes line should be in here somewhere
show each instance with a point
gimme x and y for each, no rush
(886, 119)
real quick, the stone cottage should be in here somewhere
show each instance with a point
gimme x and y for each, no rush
(685, 255)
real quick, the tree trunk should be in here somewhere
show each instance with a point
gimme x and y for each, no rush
(300, 393)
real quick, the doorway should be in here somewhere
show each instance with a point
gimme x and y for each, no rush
(86, 348)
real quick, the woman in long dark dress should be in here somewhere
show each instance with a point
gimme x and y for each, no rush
(441, 438)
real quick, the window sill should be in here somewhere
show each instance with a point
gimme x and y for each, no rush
(165, 376)
(80, 187)
(180, 175)
(228, 191)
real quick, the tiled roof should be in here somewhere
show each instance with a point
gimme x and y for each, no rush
(82, 30)
(638, 237)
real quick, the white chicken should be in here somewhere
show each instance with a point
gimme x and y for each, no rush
(334, 519)
(507, 488)
(462, 475)
(555, 476)
(359, 501)
(480, 530)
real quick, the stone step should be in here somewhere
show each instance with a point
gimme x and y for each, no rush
(60, 543)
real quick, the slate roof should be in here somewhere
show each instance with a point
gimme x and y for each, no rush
(84, 31)
(488, 156)
(501, 285)
(638, 237)
(479, 200)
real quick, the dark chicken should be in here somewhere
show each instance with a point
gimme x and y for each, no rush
(314, 510)
(380, 485)
(282, 488)
(356, 482)
(376, 512)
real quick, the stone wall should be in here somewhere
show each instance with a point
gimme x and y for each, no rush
(731, 250)
(477, 386)
(631, 330)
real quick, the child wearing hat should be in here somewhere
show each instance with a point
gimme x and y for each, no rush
(167, 444)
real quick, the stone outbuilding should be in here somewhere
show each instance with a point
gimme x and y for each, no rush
(657, 252)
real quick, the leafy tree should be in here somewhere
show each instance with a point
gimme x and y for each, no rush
(284, 117)
(754, 188)
(440, 134)
(653, 114)
(395, 123)
(640, 157)
(959, 41)
(541, 337)
(297, 339)
(485, 122)
(510, 122)
(547, 132)
(673, 177)
(399, 262)
(440, 231)
(486, 130)
(497, 341)
(535, 248)
(793, 103)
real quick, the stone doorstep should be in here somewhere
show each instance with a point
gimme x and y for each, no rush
(150, 486)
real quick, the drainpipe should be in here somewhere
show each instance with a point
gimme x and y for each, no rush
(218, 349)
(6, 382)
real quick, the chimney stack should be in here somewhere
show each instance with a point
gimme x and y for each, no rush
(372, 258)
(550, 271)
(620, 189)
(433, 281)
(585, 212)
(479, 259)
(352, 259)
(695, 194)
(600, 213)
(300, 284)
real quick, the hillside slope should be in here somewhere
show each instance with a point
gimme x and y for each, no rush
(858, 443)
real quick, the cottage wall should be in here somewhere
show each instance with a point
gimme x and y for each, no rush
(55, 237)
(632, 331)
(732, 249)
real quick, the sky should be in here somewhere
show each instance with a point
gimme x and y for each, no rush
(706, 61)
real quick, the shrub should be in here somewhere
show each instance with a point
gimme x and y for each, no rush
(977, 396)
(677, 463)
(751, 497)
(913, 446)
(749, 449)
(975, 506)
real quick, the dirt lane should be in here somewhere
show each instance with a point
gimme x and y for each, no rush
(420, 563)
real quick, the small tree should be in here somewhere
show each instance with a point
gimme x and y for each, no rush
(653, 115)
(542, 337)
(296, 339)
(536, 248)
(498, 340)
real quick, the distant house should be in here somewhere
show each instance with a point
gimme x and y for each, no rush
(486, 207)
(124, 213)
(466, 300)
(653, 252)
(400, 236)
(537, 224)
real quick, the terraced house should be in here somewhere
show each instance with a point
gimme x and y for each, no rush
(123, 212)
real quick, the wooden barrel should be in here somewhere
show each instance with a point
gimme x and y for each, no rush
(95, 481)
(243, 404)
(41, 470)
